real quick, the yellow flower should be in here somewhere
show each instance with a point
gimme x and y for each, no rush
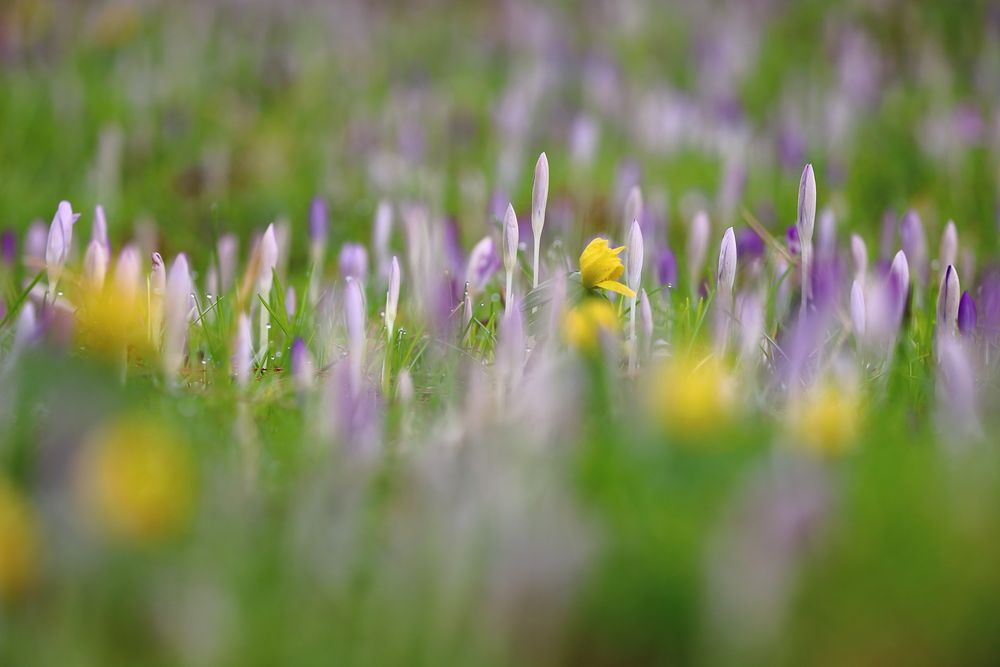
(18, 543)
(692, 396)
(136, 480)
(584, 324)
(825, 421)
(601, 267)
(109, 321)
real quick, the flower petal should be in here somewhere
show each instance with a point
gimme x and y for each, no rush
(616, 287)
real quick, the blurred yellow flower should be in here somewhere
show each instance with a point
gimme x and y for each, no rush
(18, 543)
(137, 480)
(584, 324)
(109, 321)
(692, 395)
(601, 267)
(825, 420)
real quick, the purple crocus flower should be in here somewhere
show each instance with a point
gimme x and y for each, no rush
(353, 261)
(483, 263)
(319, 221)
(8, 246)
(792, 240)
(749, 246)
(966, 314)
(666, 267)
(453, 247)
(914, 241)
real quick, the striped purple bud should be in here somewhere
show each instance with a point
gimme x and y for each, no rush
(967, 316)
(666, 267)
(948, 298)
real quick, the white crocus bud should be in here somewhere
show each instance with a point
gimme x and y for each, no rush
(95, 265)
(59, 242)
(697, 247)
(727, 263)
(268, 261)
(157, 290)
(539, 199)
(633, 208)
(99, 232)
(633, 264)
(859, 317)
(354, 319)
(859, 253)
(510, 241)
(948, 299)
(948, 254)
(392, 299)
(242, 358)
(175, 315)
(806, 221)
(127, 274)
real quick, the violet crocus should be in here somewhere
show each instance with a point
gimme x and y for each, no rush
(8, 246)
(353, 261)
(319, 224)
(95, 266)
(805, 222)
(948, 300)
(35, 239)
(510, 240)
(725, 282)
(633, 266)
(301, 365)
(539, 199)
(354, 320)
(859, 255)
(967, 316)
(242, 356)
(859, 317)
(175, 316)
(483, 263)
(59, 242)
(666, 267)
(914, 241)
(697, 248)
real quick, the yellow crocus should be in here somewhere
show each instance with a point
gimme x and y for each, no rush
(825, 420)
(601, 267)
(137, 480)
(584, 324)
(110, 321)
(691, 395)
(18, 543)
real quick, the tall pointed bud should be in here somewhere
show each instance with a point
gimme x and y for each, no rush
(157, 291)
(859, 255)
(95, 266)
(319, 223)
(633, 209)
(967, 315)
(242, 357)
(392, 299)
(226, 249)
(948, 300)
(899, 283)
(914, 241)
(948, 253)
(805, 223)
(859, 317)
(646, 321)
(726, 277)
(634, 256)
(99, 232)
(353, 261)
(127, 272)
(354, 320)
(60, 241)
(268, 261)
(539, 200)
(175, 315)
(381, 232)
(697, 247)
(510, 240)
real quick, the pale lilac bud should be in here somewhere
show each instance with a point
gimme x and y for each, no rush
(859, 253)
(268, 260)
(645, 316)
(158, 276)
(948, 298)
(483, 263)
(666, 267)
(727, 262)
(290, 302)
(633, 208)
(859, 317)
(634, 256)
(899, 281)
(319, 221)
(539, 196)
(392, 297)
(510, 238)
(827, 240)
(697, 245)
(807, 204)
(26, 329)
(353, 261)
(227, 249)
(404, 387)
(381, 232)
(967, 316)
(99, 232)
(354, 319)
(95, 265)
(242, 359)
(175, 315)
(60, 240)
(8, 246)
(956, 391)
(127, 272)
(301, 364)
(35, 240)
(911, 232)
(948, 253)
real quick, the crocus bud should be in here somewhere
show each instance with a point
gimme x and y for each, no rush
(392, 298)
(510, 238)
(158, 276)
(807, 204)
(175, 315)
(268, 261)
(859, 317)
(697, 246)
(354, 319)
(242, 359)
(483, 263)
(404, 387)
(35, 240)
(727, 262)
(127, 273)
(301, 364)
(8, 246)
(646, 317)
(95, 265)
(319, 222)
(911, 233)
(25, 331)
(227, 248)
(353, 261)
(539, 196)
(157, 290)
(633, 208)
(666, 267)
(99, 232)
(967, 316)
(60, 240)
(290, 302)
(381, 231)
(827, 241)
(634, 256)
(899, 281)
(859, 253)
(948, 298)
(949, 245)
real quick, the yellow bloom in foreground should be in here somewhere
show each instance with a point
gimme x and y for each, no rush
(18, 543)
(601, 267)
(825, 420)
(109, 321)
(584, 324)
(692, 395)
(136, 480)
